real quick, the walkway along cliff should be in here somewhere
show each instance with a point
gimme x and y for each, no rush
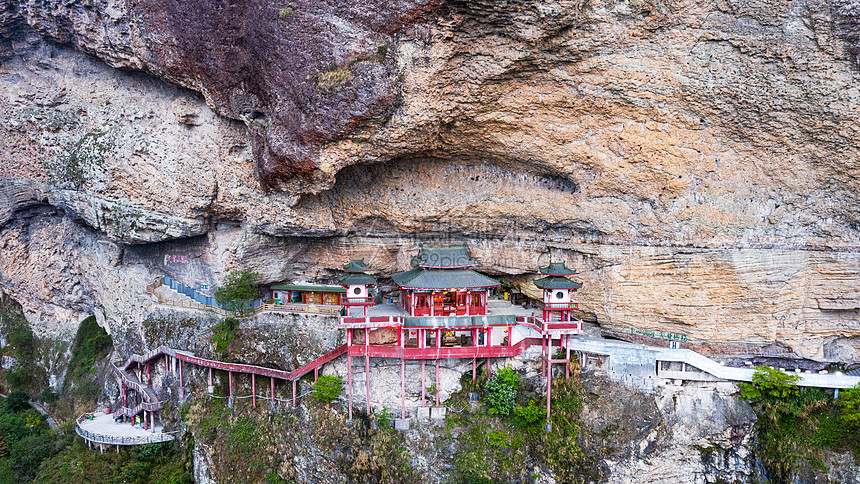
(445, 312)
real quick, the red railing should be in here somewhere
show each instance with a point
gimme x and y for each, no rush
(357, 301)
(561, 305)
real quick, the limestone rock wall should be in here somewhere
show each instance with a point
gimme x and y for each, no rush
(696, 161)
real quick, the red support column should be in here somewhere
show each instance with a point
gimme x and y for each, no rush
(567, 362)
(543, 355)
(273, 389)
(367, 366)
(144, 420)
(349, 379)
(152, 419)
(210, 377)
(437, 382)
(548, 376)
(253, 390)
(294, 393)
(474, 369)
(548, 390)
(181, 384)
(423, 384)
(148, 375)
(316, 374)
(402, 387)
(230, 377)
(349, 368)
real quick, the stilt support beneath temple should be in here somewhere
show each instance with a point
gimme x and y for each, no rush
(349, 382)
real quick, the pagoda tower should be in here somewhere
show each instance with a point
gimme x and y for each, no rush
(558, 292)
(359, 287)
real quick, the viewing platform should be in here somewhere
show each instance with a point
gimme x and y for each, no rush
(101, 429)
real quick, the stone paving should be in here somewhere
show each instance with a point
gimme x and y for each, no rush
(104, 424)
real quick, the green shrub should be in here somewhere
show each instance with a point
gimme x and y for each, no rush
(224, 333)
(509, 377)
(849, 405)
(529, 417)
(793, 424)
(17, 401)
(48, 396)
(501, 391)
(383, 420)
(238, 292)
(769, 384)
(327, 388)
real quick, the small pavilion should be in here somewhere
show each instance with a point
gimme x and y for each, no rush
(359, 288)
(558, 303)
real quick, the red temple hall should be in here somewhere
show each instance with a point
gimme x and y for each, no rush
(445, 311)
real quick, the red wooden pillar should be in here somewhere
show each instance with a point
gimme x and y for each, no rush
(253, 390)
(148, 375)
(230, 378)
(402, 386)
(316, 374)
(548, 377)
(273, 389)
(152, 419)
(144, 420)
(349, 368)
(367, 366)
(543, 355)
(474, 369)
(294, 393)
(423, 384)
(210, 376)
(437, 382)
(567, 361)
(181, 384)
(124, 396)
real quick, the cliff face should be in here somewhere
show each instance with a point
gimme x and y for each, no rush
(696, 160)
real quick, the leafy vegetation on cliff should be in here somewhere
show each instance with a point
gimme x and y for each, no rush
(82, 384)
(795, 425)
(239, 290)
(257, 445)
(503, 439)
(26, 373)
(31, 452)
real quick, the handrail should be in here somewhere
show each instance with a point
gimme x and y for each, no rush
(99, 438)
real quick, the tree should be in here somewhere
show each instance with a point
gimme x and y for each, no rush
(17, 401)
(502, 391)
(239, 290)
(769, 384)
(849, 403)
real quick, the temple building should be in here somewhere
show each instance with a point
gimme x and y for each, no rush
(445, 311)
(444, 284)
(320, 294)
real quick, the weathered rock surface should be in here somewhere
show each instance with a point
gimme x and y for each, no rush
(697, 161)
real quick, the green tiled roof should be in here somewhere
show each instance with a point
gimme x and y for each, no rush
(306, 287)
(447, 257)
(555, 282)
(557, 269)
(419, 278)
(356, 265)
(355, 278)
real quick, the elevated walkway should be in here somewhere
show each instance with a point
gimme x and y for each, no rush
(642, 366)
